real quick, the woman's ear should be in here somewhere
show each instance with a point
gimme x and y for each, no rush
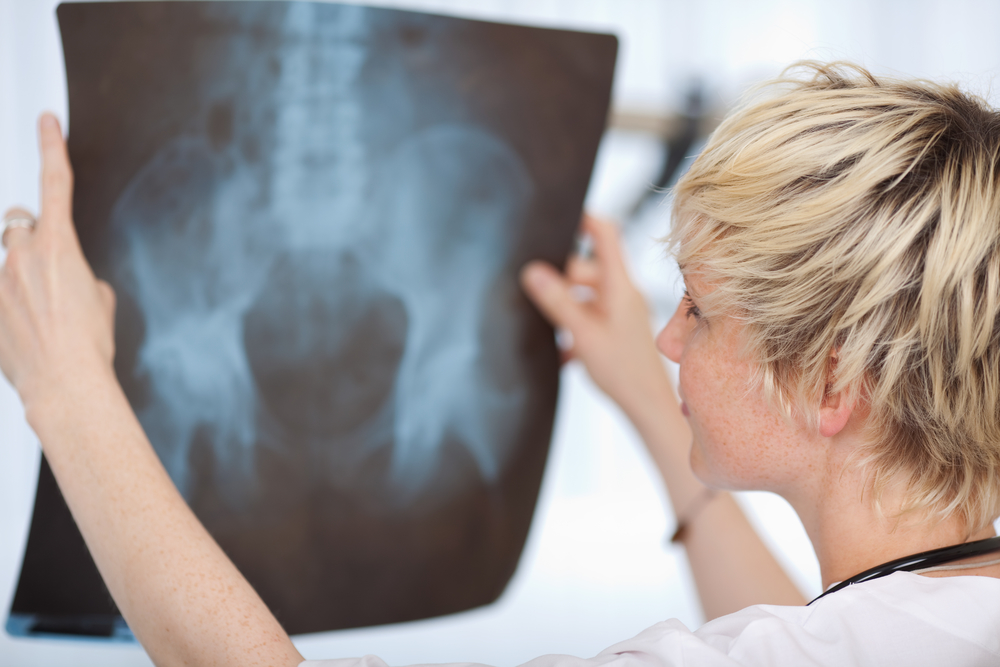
(834, 412)
(837, 406)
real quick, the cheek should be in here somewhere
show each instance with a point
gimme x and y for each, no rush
(738, 442)
(710, 411)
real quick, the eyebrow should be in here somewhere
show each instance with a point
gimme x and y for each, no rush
(689, 292)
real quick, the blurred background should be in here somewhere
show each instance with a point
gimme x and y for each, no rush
(596, 568)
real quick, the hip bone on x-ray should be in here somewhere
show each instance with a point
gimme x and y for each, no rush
(314, 216)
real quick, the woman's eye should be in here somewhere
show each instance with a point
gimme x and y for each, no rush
(692, 309)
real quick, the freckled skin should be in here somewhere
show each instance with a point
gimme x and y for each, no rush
(739, 441)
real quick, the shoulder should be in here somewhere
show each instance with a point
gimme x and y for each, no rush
(903, 619)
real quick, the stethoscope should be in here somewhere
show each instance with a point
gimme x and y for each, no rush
(928, 561)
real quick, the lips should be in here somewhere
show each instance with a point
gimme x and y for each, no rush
(684, 410)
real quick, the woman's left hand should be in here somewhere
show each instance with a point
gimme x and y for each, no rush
(610, 330)
(56, 318)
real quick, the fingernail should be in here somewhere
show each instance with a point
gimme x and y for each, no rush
(49, 121)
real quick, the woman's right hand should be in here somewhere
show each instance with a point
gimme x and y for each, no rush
(610, 331)
(56, 318)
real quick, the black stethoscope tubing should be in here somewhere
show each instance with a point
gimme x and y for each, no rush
(920, 561)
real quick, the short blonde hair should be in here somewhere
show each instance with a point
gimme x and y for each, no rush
(853, 222)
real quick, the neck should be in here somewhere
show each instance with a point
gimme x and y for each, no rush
(850, 535)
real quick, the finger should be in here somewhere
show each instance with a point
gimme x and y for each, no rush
(57, 175)
(553, 295)
(608, 250)
(583, 271)
(16, 234)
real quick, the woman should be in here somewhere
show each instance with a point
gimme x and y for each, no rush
(838, 345)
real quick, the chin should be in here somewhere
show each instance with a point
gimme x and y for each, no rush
(713, 478)
(698, 467)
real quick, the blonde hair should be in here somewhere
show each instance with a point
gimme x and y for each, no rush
(853, 222)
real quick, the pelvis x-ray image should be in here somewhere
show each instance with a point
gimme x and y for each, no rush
(314, 216)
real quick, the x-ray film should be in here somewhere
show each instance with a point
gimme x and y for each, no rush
(314, 216)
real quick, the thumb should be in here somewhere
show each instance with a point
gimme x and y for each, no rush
(608, 250)
(551, 293)
(57, 175)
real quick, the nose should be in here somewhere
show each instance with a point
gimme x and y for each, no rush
(670, 341)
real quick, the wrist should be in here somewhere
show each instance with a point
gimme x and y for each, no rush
(691, 513)
(57, 394)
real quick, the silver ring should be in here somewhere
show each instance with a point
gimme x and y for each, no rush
(17, 220)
